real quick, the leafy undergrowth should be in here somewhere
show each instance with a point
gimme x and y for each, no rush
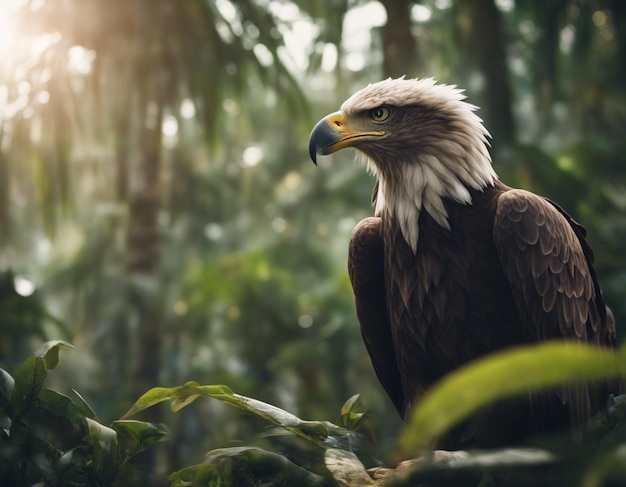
(49, 439)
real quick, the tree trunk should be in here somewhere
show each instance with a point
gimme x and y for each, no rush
(399, 45)
(548, 17)
(143, 257)
(481, 41)
(143, 247)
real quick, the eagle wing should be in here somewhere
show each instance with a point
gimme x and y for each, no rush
(549, 265)
(366, 270)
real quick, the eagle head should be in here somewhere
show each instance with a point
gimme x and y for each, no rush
(424, 142)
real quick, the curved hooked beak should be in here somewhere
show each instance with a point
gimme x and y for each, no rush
(335, 132)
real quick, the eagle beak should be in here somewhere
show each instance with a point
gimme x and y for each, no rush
(334, 132)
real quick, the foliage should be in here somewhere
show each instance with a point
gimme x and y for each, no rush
(554, 460)
(50, 439)
(592, 459)
(248, 465)
(502, 375)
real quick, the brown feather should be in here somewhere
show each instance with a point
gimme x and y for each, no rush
(566, 302)
(365, 267)
(513, 268)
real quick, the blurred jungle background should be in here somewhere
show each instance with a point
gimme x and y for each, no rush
(158, 208)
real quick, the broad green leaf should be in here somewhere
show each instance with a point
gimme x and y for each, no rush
(49, 351)
(104, 442)
(60, 412)
(180, 396)
(29, 380)
(54, 402)
(135, 436)
(312, 430)
(501, 375)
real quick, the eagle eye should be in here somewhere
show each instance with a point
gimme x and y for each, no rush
(380, 114)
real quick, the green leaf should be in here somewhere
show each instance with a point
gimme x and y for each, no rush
(311, 430)
(501, 375)
(105, 449)
(180, 396)
(29, 380)
(61, 415)
(135, 436)
(49, 351)
(352, 413)
(54, 402)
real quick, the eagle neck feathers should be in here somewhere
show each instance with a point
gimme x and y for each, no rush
(425, 184)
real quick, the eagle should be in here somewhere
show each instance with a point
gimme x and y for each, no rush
(454, 264)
